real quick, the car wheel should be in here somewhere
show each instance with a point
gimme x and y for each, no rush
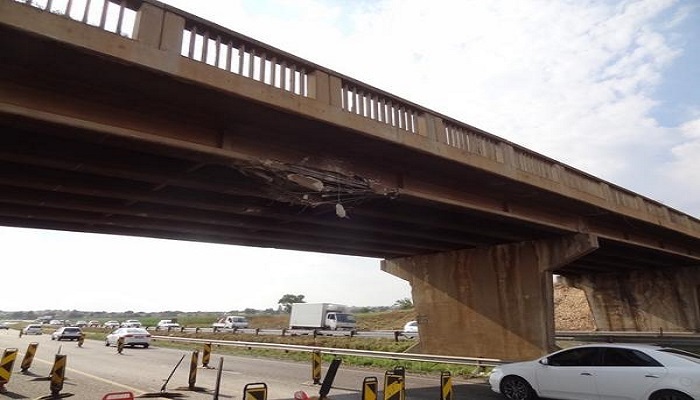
(145, 346)
(107, 343)
(516, 388)
(669, 395)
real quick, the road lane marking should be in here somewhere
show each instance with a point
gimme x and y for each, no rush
(97, 378)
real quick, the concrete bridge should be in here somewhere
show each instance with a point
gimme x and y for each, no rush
(135, 118)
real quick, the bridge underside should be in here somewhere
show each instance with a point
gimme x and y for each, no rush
(90, 142)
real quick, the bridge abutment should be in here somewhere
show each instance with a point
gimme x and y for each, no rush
(643, 300)
(491, 302)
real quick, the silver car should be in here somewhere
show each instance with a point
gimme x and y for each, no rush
(32, 329)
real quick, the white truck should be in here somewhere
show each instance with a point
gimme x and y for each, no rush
(320, 316)
(231, 321)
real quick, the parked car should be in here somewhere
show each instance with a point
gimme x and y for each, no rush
(132, 337)
(3, 325)
(131, 323)
(603, 371)
(94, 324)
(167, 323)
(81, 324)
(32, 329)
(67, 333)
(411, 327)
(112, 324)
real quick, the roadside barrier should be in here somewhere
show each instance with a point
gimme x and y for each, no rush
(394, 385)
(6, 364)
(255, 391)
(218, 379)
(446, 386)
(58, 375)
(29, 356)
(206, 355)
(369, 388)
(193, 370)
(329, 378)
(316, 367)
(120, 345)
(192, 380)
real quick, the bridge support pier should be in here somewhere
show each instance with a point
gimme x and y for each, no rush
(643, 300)
(489, 302)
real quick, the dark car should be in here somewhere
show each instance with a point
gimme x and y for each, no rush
(67, 333)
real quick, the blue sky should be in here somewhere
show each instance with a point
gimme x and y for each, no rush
(608, 87)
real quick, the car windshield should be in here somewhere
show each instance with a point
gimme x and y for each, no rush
(71, 330)
(682, 353)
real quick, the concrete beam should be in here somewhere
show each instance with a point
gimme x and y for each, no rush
(643, 300)
(491, 302)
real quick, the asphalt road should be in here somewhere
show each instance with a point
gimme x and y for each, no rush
(95, 370)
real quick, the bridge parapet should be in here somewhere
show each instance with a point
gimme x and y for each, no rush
(181, 34)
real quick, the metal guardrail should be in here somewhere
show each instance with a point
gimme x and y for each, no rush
(479, 362)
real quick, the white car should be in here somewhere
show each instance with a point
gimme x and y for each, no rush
(131, 323)
(604, 372)
(112, 324)
(411, 327)
(167, 324)
(132, 337)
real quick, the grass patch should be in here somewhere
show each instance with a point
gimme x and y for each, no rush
(371, 344)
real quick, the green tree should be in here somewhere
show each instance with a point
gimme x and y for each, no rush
(286, 301)
(404, 304)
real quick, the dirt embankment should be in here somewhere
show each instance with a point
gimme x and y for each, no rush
(571, 310)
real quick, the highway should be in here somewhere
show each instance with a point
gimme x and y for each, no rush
(94, 370)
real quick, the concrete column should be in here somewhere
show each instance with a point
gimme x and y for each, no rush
(491, 302)
(148, 26)
(319, 86)
(643, 300)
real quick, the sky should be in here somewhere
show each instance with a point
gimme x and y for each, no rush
(609, 87)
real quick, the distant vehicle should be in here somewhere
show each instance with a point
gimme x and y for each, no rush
(604, 372)
(411, 327)
(32, 329)
(231, 321)
(67, 333)
(132, 337)
(81, 324)
(320, 316)
(112, 324)
(131, 323)
(94, 324)
(167, 323)
(3, 325)
(56, 322)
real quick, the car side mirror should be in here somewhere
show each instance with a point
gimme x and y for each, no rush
(544, 361)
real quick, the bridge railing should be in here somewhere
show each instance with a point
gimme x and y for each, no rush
(112, 16)
(195, 38)
(228, 50)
